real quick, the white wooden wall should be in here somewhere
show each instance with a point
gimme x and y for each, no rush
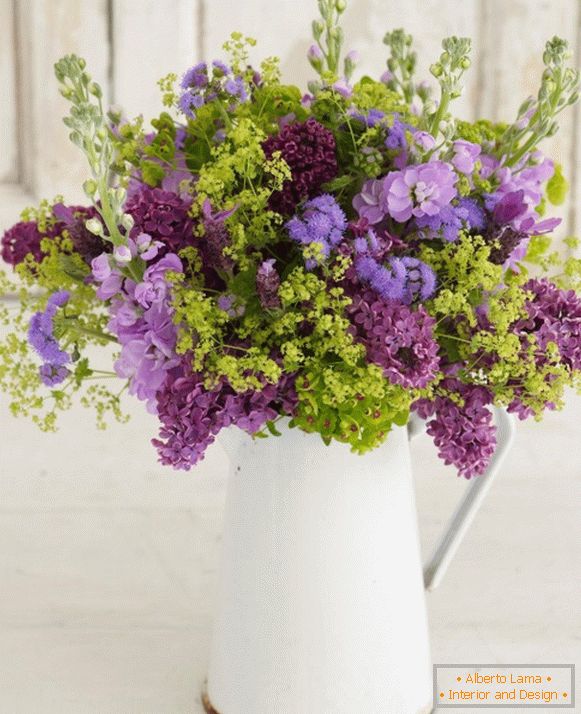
(129, 44)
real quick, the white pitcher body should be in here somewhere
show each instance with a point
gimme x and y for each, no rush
(321, 606)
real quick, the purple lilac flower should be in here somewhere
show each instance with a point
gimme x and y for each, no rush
(421, 190)
(554, 316)
(463, 433)
(267, 285)
(41, 338)
(322, 221)
(191, 415)
(162, 215)
(310, 151)
(397, 338)
(465, 156)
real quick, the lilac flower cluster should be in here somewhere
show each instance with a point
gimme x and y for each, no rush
(322, 222)
(41, 337)
(141, 316)
(192, 415)
(202, 84)
(554, 318)
(463, 433)
(310, 151)
(398, 339)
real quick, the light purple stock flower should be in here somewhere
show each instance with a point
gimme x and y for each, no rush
(465, 156)
(418, 190)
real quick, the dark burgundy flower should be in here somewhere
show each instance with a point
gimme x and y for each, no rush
(309, 150)
(24, 238)
(164, 215)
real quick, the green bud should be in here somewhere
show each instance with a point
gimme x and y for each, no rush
(94, 226)
(340, 6)
(127, 221)
(90, 187)
(95, 90)
(465, 63)
(436, 69)
(318, 28)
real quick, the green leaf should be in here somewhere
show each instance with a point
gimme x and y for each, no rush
(537, 249)
(152, 173)
(270, 425)
(72, 267)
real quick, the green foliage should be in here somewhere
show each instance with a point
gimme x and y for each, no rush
(557, 187)
(241, 176)
(82, 324)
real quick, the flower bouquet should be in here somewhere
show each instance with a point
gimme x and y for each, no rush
(341, 257)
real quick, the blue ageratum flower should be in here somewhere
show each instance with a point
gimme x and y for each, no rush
(322, 222)
(41, 338)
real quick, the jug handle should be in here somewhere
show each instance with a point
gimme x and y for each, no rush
(478, 487)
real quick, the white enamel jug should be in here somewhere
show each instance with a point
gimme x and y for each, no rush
(321, 606)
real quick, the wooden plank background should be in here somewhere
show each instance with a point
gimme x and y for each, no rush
(130, 44)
